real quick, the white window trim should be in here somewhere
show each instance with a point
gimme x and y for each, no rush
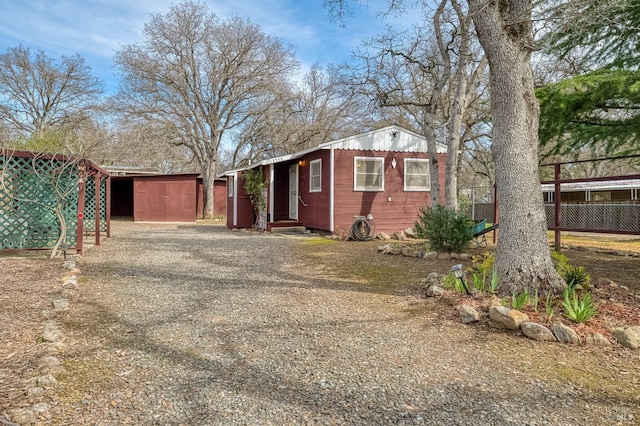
(355, 174)
(416, 189)
(230, 182)
(317, 161)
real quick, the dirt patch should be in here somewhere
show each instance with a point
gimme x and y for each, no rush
(26, 289)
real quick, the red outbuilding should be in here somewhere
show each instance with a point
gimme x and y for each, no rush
(381, 177)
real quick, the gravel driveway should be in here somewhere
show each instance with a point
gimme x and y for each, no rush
(199, 325)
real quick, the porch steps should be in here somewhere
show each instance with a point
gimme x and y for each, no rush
(288, 226)
(288, 229)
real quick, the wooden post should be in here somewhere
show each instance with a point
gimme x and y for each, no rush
(557, 195)
(81, 191)
(495, 211)
(108, 206)
(97, 189)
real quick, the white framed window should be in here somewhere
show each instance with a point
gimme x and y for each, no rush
(315, 175)
(368, 174)
(229, 186)
(416, 174)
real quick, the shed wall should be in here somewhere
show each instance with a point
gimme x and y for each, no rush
(165, 199)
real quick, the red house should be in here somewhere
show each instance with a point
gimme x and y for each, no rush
(382, 175)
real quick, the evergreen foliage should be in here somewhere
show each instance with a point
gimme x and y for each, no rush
(446, 229)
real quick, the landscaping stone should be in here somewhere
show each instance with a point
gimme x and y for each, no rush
(464, 256)
(60, 305)
(537, 332)
(435, 291)
(35, 392)
(382, 236)
(69, 294)
(629, 337)
(70, 282)
(48, 361)
(444, 256)
(410, 233)
(503, 317)
(564, 334)
(410, 252)
(384, 249)
(455, 256)
(40, 407)
(22, 416)
(468, 314)
(51, 332)
(47, 381)
(597, 339)
(431, 255)
(47, 314)
(395, 251)
(399, 235)
(491, 301)
(69, 264)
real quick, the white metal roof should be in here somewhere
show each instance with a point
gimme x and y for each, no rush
(387, 139)
(603, 185)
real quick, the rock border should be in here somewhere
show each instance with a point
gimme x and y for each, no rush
(49, 366)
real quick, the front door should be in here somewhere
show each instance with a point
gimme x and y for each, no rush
(293, 192)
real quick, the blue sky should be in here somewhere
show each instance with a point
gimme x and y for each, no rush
(96, 29)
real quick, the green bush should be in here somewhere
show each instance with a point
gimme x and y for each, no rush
(446, 229)
(572, 275)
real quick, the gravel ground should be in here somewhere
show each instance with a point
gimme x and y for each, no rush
(198, 325)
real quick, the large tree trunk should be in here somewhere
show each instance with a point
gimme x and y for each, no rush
(434, 167)
(523, 258)
(208, 179)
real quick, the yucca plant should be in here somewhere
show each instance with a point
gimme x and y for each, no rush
(519, 301)
(578, 310)
(576, 275)
(493, 283)
(479, 281)
(548, 307)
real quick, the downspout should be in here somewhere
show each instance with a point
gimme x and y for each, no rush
(331, 190)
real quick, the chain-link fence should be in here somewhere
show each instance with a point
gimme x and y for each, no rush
(592, 203)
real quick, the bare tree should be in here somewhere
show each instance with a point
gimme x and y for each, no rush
(319, 108)
(523, 259)
(38, 93)
(434, 75)
(197, 78)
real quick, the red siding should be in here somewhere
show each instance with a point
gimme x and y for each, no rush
(316, 212)
(245, 215)
(389, 216)
(219, 198)
(165, 199)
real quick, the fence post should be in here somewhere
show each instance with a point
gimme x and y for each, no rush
(495, 211)
(98, 189)
(80, 225)
(557, 195)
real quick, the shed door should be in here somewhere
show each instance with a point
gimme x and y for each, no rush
(293, 192)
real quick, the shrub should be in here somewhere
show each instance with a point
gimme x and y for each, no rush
(572, 275)
(446, 229)
(578, 310)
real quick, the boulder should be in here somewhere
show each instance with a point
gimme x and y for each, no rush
(382, 236)
(435, 291)
(410, 233)
(596, 339)
(399, 235)
(492, 301)
(537, 332)
(431, 255)
(503, 317)
(564, 334)
(629, 337)
(468, 314)
(385, 249)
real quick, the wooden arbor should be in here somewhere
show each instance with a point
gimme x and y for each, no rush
(38, 191)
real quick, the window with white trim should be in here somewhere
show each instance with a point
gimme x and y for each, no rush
(315, 175)
(368, 174)
(416, 174)
(229, 186)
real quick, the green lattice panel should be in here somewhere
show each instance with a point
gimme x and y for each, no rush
(27, 206)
